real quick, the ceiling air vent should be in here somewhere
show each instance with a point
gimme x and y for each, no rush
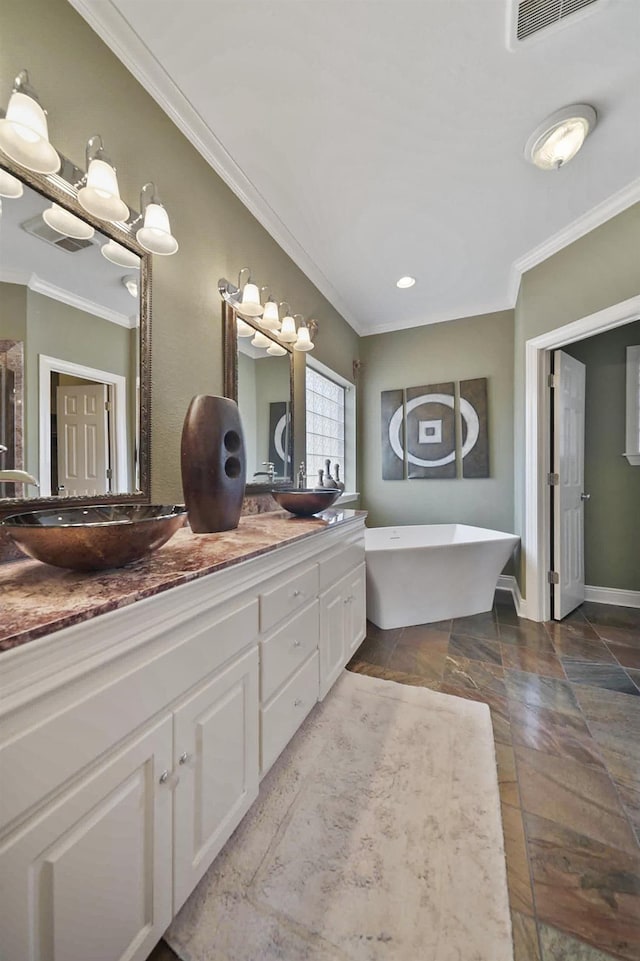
(536, 15)
(38, 228)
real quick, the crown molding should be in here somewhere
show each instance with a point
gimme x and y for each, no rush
(462, 312)
(598, 215)
(107, 21)
(40, 286)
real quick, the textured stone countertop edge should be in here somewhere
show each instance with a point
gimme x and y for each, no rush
(37, 600)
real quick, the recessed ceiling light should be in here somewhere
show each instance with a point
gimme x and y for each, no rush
(405, 282)
(558, 139)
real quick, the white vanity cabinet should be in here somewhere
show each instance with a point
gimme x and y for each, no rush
(131, 745)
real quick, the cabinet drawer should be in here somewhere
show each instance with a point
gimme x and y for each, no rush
(286, 712)
(335, 566)
(287, 596)
(284, 652)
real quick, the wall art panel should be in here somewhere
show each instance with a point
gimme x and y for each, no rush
(475, 433)
(392, 434)
(430, 431)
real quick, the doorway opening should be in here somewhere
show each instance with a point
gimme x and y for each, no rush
(106, 389)
(538, 444)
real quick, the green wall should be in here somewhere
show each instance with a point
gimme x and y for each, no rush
(92, 92)
(457, 350)
(595, 272)
(612, 515)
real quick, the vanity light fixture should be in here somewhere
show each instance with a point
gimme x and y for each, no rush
(24, 135)
(270, 319)
(261, 340)
(130, 281)
(304, 335)
(100, 195)
(116, 254)
(10, 186)
(155, 234)
(558, 139)
(249, 305)
(243, 329)
(405, 282)
(66, 223)
(276, 350)
(287, 333)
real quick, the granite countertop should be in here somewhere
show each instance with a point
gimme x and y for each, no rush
(36, 599)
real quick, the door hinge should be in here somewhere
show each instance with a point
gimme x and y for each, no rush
(553, 577)
(552, 381)
(553, 480)
(107, 405)
(109, 473)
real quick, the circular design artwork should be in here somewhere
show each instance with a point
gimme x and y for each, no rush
(278, 438)
(467, 413)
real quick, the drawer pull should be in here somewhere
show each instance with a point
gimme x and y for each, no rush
(184, 758)
(297, 593)
(164, 777)
(297, 702)
(296, 643)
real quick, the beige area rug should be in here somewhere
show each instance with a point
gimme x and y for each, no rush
(376, 837)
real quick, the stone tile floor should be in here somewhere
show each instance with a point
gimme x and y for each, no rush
(565, 704)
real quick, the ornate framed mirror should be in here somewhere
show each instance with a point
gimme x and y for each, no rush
(262, 386)
(75, 348)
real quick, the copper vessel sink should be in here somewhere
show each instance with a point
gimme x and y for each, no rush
(305, 502)
(96, 537)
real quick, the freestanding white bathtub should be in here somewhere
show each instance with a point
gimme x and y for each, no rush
(432, 572)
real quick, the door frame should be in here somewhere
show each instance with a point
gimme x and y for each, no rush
(537, 435)
(119, 446)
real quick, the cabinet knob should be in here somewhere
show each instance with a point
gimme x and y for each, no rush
(297, 702)
(184, 758)
(297, 593)
(164, 777)
(296, 643)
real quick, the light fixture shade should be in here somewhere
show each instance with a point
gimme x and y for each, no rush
(271, 316)
(131, 283)
(250, 305)
(115, 253)
(559, 138)
(66, 223)
(276, 350)
(24, 135)
(101, 196)
(243, 329)
(10, 186)
(304, 340)
(261, 340)
(155, 234)
(287, 332)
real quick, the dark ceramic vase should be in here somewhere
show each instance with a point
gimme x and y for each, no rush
(213, 464)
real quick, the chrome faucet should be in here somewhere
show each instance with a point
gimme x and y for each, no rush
(271, 470)
(301, 477)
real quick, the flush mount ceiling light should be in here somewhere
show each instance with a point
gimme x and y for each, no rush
(66, 223)
(155, 234)
(10, 186)
(116, 254)
(24, 135)
(559, 138)
(405, 282)
(100, 195)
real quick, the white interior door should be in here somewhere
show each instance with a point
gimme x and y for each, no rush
(568, 502)
(83, 441)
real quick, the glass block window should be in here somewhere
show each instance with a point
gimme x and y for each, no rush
(325, 425)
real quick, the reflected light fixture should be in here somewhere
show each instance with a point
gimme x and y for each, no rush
(249, 305)
(10, 186)
(131, 283)
(261, 340)
(558, 139)
(66, 223)
(155, 234)
(100, 195)
(243, 329)
(116, 254)
(276, 350)
(24, 135)
(405, 282)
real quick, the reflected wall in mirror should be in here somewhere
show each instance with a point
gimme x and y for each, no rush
(74, 352)
(262, 386)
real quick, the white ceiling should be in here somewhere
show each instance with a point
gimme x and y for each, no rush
(376, 138)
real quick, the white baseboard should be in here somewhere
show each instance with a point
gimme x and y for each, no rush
(611, 595)
(507, 582)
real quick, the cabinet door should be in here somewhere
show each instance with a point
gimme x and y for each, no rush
(332, 635)
(355, 611)
(89, 876)
(216, 757)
